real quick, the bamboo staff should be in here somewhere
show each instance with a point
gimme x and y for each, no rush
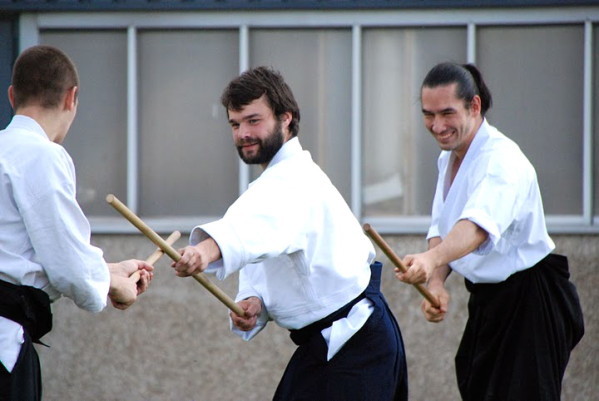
(154, 257)
(397, 262)
(171, 252)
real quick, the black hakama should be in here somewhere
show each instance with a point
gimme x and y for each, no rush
(24, 383)
(371, 366)
(519, 335)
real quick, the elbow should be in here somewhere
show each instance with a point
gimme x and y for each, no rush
(481, 235)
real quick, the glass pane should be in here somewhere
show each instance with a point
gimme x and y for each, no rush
(187, 152)
(535, 74)
(97, 140)
(318, 69)
(399, 154)
(7, 52)
(595, 122)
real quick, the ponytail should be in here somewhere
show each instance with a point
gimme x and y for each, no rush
(469, 80)
(483, 90)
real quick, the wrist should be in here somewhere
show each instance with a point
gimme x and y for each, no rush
(439, 276)
(114, 285)
(210, 248)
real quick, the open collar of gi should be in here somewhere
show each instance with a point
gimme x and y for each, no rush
(289, 148)
(22, 122)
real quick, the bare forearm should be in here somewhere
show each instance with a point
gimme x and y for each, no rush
(463, 238)
(441, 273)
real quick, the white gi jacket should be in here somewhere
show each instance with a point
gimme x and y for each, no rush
(496, 188)
(44, 236)
(303, 252)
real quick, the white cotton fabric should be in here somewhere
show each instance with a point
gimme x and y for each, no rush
(44, 236)
(296, 243)
(343, 329)
(496, 188)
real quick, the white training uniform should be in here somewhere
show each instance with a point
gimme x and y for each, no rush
(303, 252)
(44, 236)
(496, 188)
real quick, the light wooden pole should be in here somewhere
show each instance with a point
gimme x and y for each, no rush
(397, 262)
(171, 252)
(154, 257)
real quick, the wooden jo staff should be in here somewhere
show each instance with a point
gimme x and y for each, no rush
(154, 257)
(171, 252)
(397, 262)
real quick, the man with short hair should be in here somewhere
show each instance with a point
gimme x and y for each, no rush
(303, 260)
(45, 249)
(488, 225)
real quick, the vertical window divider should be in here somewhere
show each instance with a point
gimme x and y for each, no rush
(244, 64)
(588, 124)
(471, 43)
(356, 122)
(132, 123)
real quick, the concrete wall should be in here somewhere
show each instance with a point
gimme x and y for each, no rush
(174, 343)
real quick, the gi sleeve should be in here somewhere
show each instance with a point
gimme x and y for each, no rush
(246, 290)
(495, 197)
(60, 233)
(268, 220)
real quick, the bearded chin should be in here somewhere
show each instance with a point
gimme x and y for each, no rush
(268, 148)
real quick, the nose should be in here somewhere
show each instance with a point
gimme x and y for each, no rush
(242, 131)
(437, 125)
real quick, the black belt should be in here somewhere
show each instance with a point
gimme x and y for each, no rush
(558, 262)
(28, 306)
(303, 335)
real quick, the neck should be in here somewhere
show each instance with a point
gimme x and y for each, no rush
(48, 119)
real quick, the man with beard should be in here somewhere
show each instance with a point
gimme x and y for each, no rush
(303, 258)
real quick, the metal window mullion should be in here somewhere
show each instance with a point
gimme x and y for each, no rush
(244, 64)
(132, 126)
(471, 43)
(356, 123)
(587, 207)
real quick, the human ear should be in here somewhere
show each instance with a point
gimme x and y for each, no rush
(286, 119)
(70, 100)
(11, 96)
(476, 104)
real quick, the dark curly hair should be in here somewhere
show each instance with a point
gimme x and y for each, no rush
(255, 83)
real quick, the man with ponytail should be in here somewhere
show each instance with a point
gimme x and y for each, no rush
(488, 225)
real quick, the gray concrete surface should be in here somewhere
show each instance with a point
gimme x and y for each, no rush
(174, 344)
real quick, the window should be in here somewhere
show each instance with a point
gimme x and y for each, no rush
(188, 165)
(97, 140)
(399, 154)
(595, 122)
(321, 86)
(538, 103)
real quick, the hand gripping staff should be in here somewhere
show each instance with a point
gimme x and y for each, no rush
(157, 254)
(172, 253)
(397, 262)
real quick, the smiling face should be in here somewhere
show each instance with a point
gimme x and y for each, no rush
(257, 134)
(449, 121)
